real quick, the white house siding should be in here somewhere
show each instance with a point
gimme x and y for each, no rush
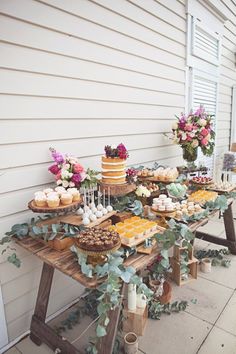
(227, 77)
(77, 75)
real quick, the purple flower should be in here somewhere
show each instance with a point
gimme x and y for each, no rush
(54, 169)
(76, 178)
(57, 157)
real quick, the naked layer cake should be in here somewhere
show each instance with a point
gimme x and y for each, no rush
(98, 240)
(113, 164)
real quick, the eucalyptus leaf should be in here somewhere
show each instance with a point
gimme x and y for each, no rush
(100, 331)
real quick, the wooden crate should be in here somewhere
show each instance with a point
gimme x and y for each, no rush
(176, 274)
(135, 321)
(179, 250)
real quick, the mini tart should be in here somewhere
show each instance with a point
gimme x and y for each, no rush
(53, 202)
(66, 198)
(129, 237)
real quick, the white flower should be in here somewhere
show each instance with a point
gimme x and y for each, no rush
(184, 136)
(66, 166)
(71, 184)
(65, 184)
(59, 182)
(65, 174)
(174, 125)
(142, 191)
(202, 122)
(195, 143)
(113, 146)
(73, 160)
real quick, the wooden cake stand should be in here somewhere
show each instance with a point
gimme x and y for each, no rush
(117, 190)
(61, 208)
(97, 257)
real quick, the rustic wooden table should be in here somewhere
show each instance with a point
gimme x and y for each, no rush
(66, 262)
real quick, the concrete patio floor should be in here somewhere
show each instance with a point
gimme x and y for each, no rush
(207, 327)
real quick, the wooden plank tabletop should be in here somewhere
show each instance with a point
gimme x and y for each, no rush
(67, 263)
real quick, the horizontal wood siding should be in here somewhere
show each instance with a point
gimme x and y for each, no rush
(77, 75)
(227, 78)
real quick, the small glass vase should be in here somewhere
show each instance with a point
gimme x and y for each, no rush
(190, 155)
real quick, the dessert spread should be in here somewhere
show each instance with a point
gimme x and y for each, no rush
(113, 164)
(202, 196)
(134, 228)
(163, 204)
(98, 240)
(202, 180)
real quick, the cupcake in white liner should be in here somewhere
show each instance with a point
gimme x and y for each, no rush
(53, 201)
(47, 190)
(66, 199)
(40, 200)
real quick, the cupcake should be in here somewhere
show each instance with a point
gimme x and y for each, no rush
(75, 194)
(40, 200)
(162, 196)
(48, 190)
(60, 190)
(66, 198)
(161, 207)
(53, 201)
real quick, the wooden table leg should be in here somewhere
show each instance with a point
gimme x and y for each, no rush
(229, 229)
(41, 306)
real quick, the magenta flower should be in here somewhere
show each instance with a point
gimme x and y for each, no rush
(76, 178)
(54, 169)
(122, 152)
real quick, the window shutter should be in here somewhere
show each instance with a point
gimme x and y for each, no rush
(205, 43)
(204, 92)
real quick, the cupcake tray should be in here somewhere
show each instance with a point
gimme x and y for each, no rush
(61, 208)
(172, 214)
(137, 241)
(76, 220)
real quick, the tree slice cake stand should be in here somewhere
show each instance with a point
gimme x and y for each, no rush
(117, 190)
(165, 214)
(61, 208)
(97, 257)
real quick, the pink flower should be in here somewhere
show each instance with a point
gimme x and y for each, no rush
(77, 168)
(58, 176)
(204, 141)
(188, 127)
(54, 169)
(189, 138)
(204, 132)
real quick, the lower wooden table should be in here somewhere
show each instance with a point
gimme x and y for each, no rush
(230, 240)
(66, 262)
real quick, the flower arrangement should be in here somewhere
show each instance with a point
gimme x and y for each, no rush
(119, 151)
(195, 130)
(131, 175)
(68, 172)
(142, 191)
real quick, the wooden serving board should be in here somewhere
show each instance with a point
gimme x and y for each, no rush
(117, 190)
(76, 220)
(147, 250)
(221, 191)
(61, 208)
(138, 241)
